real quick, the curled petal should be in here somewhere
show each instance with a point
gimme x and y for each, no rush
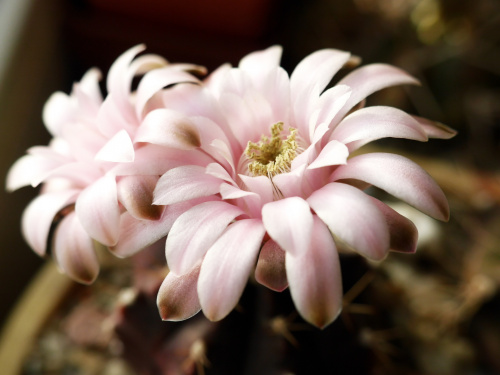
(56, 112)
(314, 278)
(118, 149)
(38, 217)
(353, 218)
(258, 63)
(136, 195)
(289, 222)
(98, 210)
(178, 297)
(400, 177)
(169, 128)
(403, 233)
(270, 270)
(74, 250)
(195, 231)
(184, 183)
(227, 266)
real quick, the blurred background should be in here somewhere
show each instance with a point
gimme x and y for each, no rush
(452, 46)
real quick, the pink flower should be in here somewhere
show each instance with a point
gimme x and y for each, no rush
(91, 189)
(282, 191)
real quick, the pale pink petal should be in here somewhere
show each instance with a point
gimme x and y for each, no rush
(111, 120)
(98, 210)
(258, 63)
(227, 266)
(136, 234)
(169, 128)
(289, 184)
(29, 169)
(119, 80)
(371, 123)
(74, 250)
(178, 296)
(156, 160)
(400, 177)
(57, 111)
(317, 70)
(89, 84)
(260, 185)
(233, 192)
(155, 81)
(368, 79)
(334, 153)
(270, 270)
(353, 218)
(329, 104)
(403, 233)
(184, 183)
(289, 222)
(136, 195)
(118, 149)
(218, 171)
(79, 173)
(38, 217)
(435, 129)
(195, 231)
(314, 278)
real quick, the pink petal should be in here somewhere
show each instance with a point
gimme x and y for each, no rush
(169, 128)
(403, 233)
(317, 70)
(314, 278)
(57, 111)
(136, 234)
(289, 184)
(334, 153)
(270, 270)
(98, 210)
(353, 218)
(29, 169)
(435, 129)
(119, 81)
(38, 217)
(329, 104)
(260, 185)
(233, 192)
(368, 79)
(74, 250)
(289, 222)
(117, 149)
(227, 266)
(260, 62)
(371, 123)
(400, 177)
(184, 183)
(155, 81)
(136, 195)
(178, 297)
(195, 231)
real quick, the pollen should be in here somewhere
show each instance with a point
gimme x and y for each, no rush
(274, 155)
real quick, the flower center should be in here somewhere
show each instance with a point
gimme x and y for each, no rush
(271, 156)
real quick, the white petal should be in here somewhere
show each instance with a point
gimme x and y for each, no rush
(334, 153)
(118, 149)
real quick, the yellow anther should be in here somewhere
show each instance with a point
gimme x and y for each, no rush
(274, 155)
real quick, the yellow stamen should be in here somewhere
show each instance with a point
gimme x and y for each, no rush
(274, 155)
